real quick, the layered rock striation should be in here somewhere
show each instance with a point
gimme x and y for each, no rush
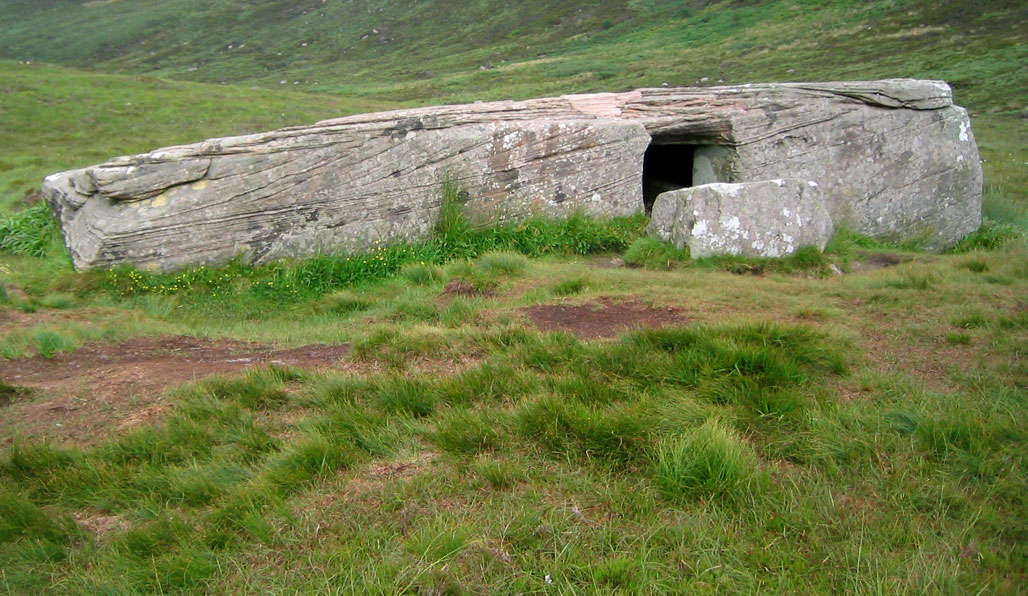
(893, 159)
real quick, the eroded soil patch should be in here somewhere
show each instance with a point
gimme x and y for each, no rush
(605, 317)
(103, 388)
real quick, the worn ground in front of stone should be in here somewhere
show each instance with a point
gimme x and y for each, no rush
(102, 389)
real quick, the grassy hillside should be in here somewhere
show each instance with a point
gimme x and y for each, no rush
(489, 431)
(431, 50)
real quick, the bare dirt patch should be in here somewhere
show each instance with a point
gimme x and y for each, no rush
(104, 388)
(12, 319)
(605, 317)
(100, 523)
(869, 261)
(608, 262)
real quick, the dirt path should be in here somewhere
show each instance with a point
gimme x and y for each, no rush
(104, 388)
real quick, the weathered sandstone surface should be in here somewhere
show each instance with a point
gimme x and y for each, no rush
(893, 158)
(771, 218)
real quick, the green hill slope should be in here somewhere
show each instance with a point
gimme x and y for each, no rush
(430, 50)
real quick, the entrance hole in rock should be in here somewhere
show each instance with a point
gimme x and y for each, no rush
(666, 167)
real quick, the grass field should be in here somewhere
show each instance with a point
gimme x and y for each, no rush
(545, 408)
(851, 434)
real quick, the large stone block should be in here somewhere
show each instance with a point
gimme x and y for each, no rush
(771, 218)
(893, 158)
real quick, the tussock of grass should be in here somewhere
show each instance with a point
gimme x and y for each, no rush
(413, 309)
(58, 301)
(958, 339)
(971, 319)
(651, 253)
(32, 232)
(316, 456)
(806, 259)
(708, 460)
(400, 395)
(502, 264)
(459, 312)
(50, 343)
(463, 432)
(974, 265)
(344, 302)
(914, 278)
(421, 274)
(21, 520)
(570, 287)
(260, 389)
(845, 241)
(438, 542)
(498, 474)
(990, 236)
(8, 393)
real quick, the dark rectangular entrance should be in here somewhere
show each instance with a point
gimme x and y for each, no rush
(666, 167)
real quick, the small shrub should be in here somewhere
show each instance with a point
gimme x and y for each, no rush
(4, 298)
(710, 460)
(650, 253)
(50, 343)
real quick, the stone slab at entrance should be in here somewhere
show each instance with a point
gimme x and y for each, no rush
(771, 218)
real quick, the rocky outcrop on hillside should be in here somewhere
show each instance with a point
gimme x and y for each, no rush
(892, 158)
